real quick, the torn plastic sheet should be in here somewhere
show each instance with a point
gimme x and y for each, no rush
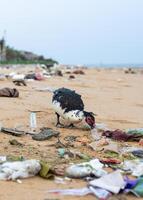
(112, 182)
(98, 192)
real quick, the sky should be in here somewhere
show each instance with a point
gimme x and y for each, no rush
(76, 31)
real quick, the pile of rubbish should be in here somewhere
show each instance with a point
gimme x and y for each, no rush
(103, 184)
(118, 169)
(38, 73)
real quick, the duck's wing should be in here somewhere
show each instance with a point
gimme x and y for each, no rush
(68, 99)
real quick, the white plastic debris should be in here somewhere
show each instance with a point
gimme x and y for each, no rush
(47, 89)
(134, 130)
(59, 180)
(101, 127)
(19, 169)
(112, 182)
(19, 181)
(33, 123)
(98, 192)
(135, 166)
(96, 135)
(130, 149)
(85, 169)
(73, 192)
(2, 159)
(18, 77)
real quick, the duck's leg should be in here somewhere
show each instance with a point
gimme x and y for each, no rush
(58, 124)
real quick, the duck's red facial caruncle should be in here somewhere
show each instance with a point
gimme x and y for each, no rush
(90, 120)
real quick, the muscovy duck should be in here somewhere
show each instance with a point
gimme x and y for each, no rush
(69, 105)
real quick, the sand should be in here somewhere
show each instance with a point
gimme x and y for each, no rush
(114, 96)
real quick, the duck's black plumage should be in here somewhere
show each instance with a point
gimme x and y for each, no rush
(68, 99)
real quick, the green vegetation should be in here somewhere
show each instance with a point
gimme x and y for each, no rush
(23, 57)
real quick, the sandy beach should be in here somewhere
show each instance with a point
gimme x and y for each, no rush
(116, 98)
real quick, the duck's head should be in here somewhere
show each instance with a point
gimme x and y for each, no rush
(90, 119)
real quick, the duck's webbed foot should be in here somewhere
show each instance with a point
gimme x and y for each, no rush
(71, 126)
(58, 124)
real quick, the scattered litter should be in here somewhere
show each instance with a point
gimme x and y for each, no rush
(59, 180)
(58, 73)
(45, 134)
(112, 182)
(15, 142)
(135, 167)
(17, 76)
(95, 134)
(14, 158)
(110, 161)
(20, 82)
(78, 154)
(9, 92)
(130, 149)
(19, 169)
(3, 159)
(122, 135)
(101, 127)
(130, 183)
(33, 122)
(130, 71)
(30, 76)
(138, 153)
(19, 181)
(138, 189)
(72, 192)
(2, 77)
(70, 138)
(46, 170)
(39, 76)
(71, 77)
(59, 170)
(112, 147)
(84, 140)
(12, 131)
(78, 72)
(141, 142)
(91, 168)
(98, 192)
(46, 89)
(61, 152)
(99, 145)
(135, 131)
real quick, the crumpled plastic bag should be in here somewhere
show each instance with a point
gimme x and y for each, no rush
(19, 169)
(45, 171)
(93, 167)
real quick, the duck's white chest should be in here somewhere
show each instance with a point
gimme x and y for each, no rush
(74, 116)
